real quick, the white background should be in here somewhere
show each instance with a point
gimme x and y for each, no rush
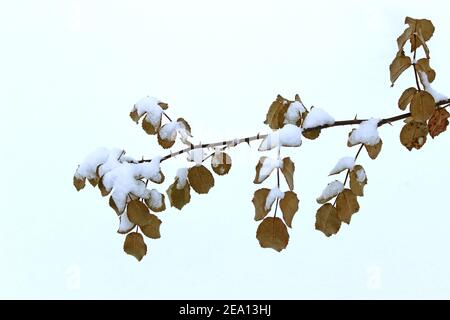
(70, 72)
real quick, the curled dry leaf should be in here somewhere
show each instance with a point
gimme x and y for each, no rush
(398, 65)
(200, 178)
(156, 201)
(113, 205)
(288, 169)
(259, 202)
(424, 66)
(134, 245)
(138, 212)
(422, 106)
(277, 110)
(438, 122)
(327, 220)
(346, 205)
(79, 183)
(358, 180)
(414, 135)
(374, 151)
(151, 229)
(179, 197)
(264, 168)
(289, 206)
(221, 163)
(272, 233)
(406, 97)
(103, 190)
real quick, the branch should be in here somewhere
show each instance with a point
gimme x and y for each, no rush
(235, 142)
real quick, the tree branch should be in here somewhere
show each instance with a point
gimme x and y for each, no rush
(235, 142)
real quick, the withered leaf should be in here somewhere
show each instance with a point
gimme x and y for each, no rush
(406, 97)
(311, 134)
(103, 190)
(327, 220)
(79, 183)
(134, 115)
(200, 178)
(289, 206)
(134, 245)
(422, 106)
(404, 37)
(151, 229)
(179, 197)
(288, 172)
(374, 151)
(221, 163)
(272, 233)
(259, 202)
(94, 181)
(398, 65)
(149, 128)
(138, 212)
(261, 177)
(349, 144)
(358, 180)
(346, 205)
(156, 205)
(438, 122)
(414, 135)
(424, 66)
(113, 205)
(165, 143)
(277, 110)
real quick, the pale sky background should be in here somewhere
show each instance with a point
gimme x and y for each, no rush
(70, 72)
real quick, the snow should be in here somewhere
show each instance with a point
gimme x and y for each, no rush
(361, 175)
(169, 131)
(268, 165)
(196, 155)
(155, 199)
(366, 133)
(288, 136)
(274, 194)
(150, 106)
(88, 168)
(294, 112)
(125, 225)
(342, 164)
(182, 177)
(317, 117)
(436, 95)
(331, 190)
(150, 170)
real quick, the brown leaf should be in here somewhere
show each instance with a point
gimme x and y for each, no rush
(94, 181)
(422, 106)
(327, 220)
(424, 66)
(138, 212)
(149, 128)
(404, 37)
(349, 144)
(165, 143)
(311, 134)
(288, 172)
(398, 65)
(414, 135)
(346, 205)
(356, 182)
(438, 122)
(103, 190)
(272, 233)
(163, 105)
(289, 206)
(221, 163)
(156, 205)
(113, 205)
(374, 151)
(259, 202)
(200, 178)
(258, 177)
(406, 97)
(134, 245)
(151, 229)
(275, 115)
(179, 197)
(79, 183)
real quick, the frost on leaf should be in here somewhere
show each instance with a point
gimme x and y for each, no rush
(414, 135)
(289, 206)
(138, 212)
(422, 106)
(345, 163)
(406, 97)
(264, 168)
(155, 201)
(346, 205)
(276, 115)
(374, 151)
(151, 228)
(398, 65)
(200, 178)
(152, 108)
(438, 122)
(358, 180)
(179, 192)
(221, 163)
(272, 233)
(288, 136)
(288, 169)
(317, 117)
(259, 202)
(366, 133)
(134, 245)
(125, 225)
(331, 190)
(327, 220)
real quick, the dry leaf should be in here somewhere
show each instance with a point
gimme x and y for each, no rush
(288, 172)
(149, 128)
(221, 163)
(272, 233)
(113, 205)
(422, 106)
(165, 143)
(103, 190)
(179, 197)
(374, 151)
(156, 201)
(138, 212)
(259, 202)
(289, 206)
(398, 65)
(438, 122)
(134, 245)
(327, 220)
(79, 183)
(404, 37)
(151, 229)
(414, 135)
(277, 110)
(358, 180)
(266, 173)
(406, 97)
(200, 178)
(424, 66)
(346, 205)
